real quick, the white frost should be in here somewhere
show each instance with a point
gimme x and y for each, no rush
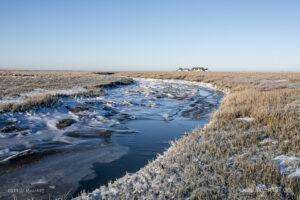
(37, 92)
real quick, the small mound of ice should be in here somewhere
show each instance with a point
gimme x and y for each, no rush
(16, 155)
(296, 173)
(40, 181)
(288, 165)
(95, 195)
(166, 116)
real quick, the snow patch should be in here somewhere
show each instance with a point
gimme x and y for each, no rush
(246, 119)
(268, 141)
(260, 188)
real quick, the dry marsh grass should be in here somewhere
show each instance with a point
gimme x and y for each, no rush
(234, 156)
(31, 103)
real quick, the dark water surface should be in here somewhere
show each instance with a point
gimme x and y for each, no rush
(98, 139)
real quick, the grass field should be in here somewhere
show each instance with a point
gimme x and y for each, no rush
(249, 150)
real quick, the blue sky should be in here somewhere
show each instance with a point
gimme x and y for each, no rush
(262, 35)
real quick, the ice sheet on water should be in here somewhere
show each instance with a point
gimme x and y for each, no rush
(156, 99)
(62, 171)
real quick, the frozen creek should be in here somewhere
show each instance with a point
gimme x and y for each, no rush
(86, 142)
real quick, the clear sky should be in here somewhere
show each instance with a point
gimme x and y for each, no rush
(226, 35)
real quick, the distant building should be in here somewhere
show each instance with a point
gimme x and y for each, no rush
(183, 69)
(198, 69)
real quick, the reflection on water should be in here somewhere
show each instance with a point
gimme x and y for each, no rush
(86, 142)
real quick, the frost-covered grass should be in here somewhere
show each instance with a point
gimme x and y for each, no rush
(15, 82)
(249, 150)
(23, 90)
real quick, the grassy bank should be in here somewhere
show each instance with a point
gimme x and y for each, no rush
(14, 83)
(250, 149)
